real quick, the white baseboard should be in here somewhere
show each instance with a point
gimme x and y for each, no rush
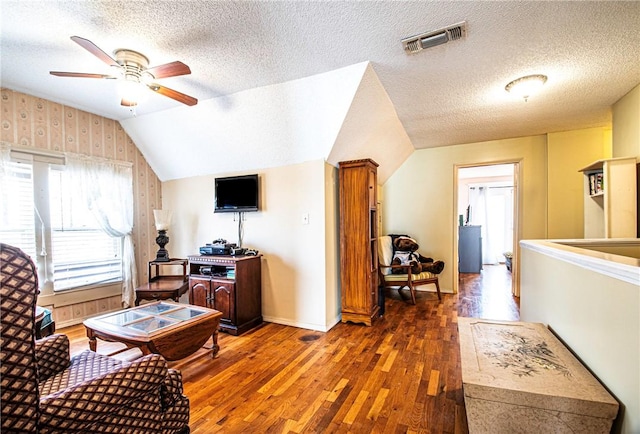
(76, 321)
(301, 325)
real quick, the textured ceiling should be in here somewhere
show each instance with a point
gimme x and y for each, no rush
(445, 95)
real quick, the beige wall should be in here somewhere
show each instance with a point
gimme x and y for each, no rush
(299, 264)
(34, 122)
(569, 152)
(626, 125)
(419, 199)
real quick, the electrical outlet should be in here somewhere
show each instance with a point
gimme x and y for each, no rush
(305, 218)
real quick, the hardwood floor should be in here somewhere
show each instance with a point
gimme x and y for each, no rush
(488, 294)
(402, 375)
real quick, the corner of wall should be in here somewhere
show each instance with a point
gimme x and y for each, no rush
(626, 125)
(332, 247)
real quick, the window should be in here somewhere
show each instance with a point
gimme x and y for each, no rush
(70, 249)
(17, 224)
(82, 252)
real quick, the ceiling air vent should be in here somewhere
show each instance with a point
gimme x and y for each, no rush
(423, 41)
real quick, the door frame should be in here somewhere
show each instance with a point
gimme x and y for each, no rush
(517, 220)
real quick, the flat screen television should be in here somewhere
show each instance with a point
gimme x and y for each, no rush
(237, 194)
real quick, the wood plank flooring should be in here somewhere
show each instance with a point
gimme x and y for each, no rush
(402, 375)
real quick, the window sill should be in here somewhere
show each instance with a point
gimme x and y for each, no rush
(88, 287)
(79, 295)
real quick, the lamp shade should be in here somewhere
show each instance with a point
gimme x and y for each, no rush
(162, 218)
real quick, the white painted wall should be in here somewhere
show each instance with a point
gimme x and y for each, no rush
(299, 266)
(372, 130)
(594, 311)
(270, 126)
(342, 115)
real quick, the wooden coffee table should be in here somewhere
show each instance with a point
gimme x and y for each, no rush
(172, 330)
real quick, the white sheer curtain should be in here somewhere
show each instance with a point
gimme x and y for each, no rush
(492, 209)
(480, 210)
(107, 187)
(5, 157)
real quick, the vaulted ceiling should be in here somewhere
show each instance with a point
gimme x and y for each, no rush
(283, 82)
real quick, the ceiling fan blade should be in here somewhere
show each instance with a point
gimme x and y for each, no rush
(172, 69)
(80, 75)
(95, 50)
(178, 96)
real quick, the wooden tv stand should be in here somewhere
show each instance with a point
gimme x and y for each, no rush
(233, 286)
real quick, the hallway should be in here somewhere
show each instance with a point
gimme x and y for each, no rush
(488, 294)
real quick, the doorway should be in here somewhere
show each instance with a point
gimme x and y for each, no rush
(486, 205)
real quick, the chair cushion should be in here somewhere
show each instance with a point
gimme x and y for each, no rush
(85, 366)
(385, 253)
(403, 277)
(125, 394)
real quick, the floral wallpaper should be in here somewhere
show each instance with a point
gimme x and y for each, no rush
(35, 122)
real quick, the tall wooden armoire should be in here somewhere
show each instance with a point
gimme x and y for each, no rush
(359, 240)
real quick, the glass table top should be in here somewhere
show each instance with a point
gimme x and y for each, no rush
(155, 309)
(150, 324)
(152, 317)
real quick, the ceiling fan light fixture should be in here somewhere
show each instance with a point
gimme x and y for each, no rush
(129, 57)
(131, 92)
(526, 86)
(146, 77)
(133, 74)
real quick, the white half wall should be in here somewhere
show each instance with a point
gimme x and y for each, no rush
(591, 300)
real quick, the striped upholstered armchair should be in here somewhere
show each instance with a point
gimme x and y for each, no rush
(44, 391)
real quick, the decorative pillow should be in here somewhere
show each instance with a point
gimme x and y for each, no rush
(385, 252)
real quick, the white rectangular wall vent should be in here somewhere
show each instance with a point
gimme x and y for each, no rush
(426, 40)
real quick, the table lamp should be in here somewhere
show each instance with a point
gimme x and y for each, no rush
(163, 220)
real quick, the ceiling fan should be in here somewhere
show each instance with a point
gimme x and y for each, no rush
(133, 69)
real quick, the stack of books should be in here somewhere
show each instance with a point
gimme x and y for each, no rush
(596, 183)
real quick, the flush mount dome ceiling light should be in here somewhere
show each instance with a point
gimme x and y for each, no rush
(526, 86)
